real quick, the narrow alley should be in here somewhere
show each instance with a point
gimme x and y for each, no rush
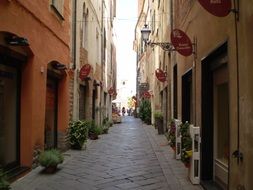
(131, 156)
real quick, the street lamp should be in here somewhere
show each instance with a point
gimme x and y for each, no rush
(145, 32)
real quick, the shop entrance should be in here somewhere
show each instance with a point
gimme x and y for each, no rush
(9, 115)
(51, 113)
(215, 120)
(187, 107)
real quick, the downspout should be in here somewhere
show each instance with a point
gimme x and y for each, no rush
(74, 33)
(102, 60)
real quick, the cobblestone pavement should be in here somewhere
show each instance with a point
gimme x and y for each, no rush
(132, 156)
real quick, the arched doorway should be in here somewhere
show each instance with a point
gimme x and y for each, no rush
(55, 73)
(14, 53)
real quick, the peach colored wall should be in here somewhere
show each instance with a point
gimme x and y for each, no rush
(49, 40)
(211, 32)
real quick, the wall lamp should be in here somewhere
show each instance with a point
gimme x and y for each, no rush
(145, 32)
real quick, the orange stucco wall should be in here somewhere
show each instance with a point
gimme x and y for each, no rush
(49, 39)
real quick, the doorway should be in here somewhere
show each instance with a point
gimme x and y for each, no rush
(187, 111)
(9, 115)
(51, 113)
(82, 102)
(215, 120)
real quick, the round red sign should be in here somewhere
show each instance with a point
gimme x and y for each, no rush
(146, 94)
(160, 75)
(85, 71)
(218, 8)
(181, 42)
(111, 91)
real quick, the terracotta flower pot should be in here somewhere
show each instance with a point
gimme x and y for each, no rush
(93, 136)
(187, 165)
(50, 169)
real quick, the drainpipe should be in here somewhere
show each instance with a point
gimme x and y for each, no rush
(102, 58)
(74, 33)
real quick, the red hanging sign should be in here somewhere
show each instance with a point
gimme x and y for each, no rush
(220, 8)
(160, 75)
(181, 42)
(146, 95)
(111, 91)
(85, 71)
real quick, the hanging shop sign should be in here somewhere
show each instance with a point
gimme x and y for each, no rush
(160, 75)
(85, 71)
(146, 95)
(111, 91)
(181, 42)
(220, 8)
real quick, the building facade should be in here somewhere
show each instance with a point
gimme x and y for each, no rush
(154, 14)
(211, 87)
(93, 45)
(34, 82)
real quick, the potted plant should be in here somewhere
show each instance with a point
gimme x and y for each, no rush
(145, 111)
(78, 133)
(4, 184)
(50, 160)
(172, 134)
(159, 122)
(94, 131)
(186, 149)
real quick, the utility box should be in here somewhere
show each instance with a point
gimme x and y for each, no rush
(195, 159)
(178, 139)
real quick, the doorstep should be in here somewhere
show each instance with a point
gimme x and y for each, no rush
(17, 172)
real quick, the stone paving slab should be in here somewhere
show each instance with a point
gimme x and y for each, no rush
(132, 156)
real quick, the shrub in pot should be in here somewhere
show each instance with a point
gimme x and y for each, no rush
(186, 143)
(4, 184)
(78, 133)
(159, 122)
(94, 130)
(105, 129)
(145, 111)
(172, 133)
(50, 159)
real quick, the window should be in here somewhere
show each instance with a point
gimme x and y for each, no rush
(153, 22)
(58, 7)
(85, 27)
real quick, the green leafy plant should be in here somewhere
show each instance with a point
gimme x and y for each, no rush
(4, 184)
(50, 159)
(159, 122)
(106, 124)
(145, 111)
(186, 143)
(172, 133)
(78, 133)
(94, 130)
(158, 115)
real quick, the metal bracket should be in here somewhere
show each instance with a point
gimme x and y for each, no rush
(166, 46)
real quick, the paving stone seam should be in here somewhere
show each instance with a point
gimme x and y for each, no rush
(155, 147)
(152, 137)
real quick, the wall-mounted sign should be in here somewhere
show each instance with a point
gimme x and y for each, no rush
(160, 75)
(111, 91)
(218, 8)
(181, 42)
(85, 71)
(146, 94)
